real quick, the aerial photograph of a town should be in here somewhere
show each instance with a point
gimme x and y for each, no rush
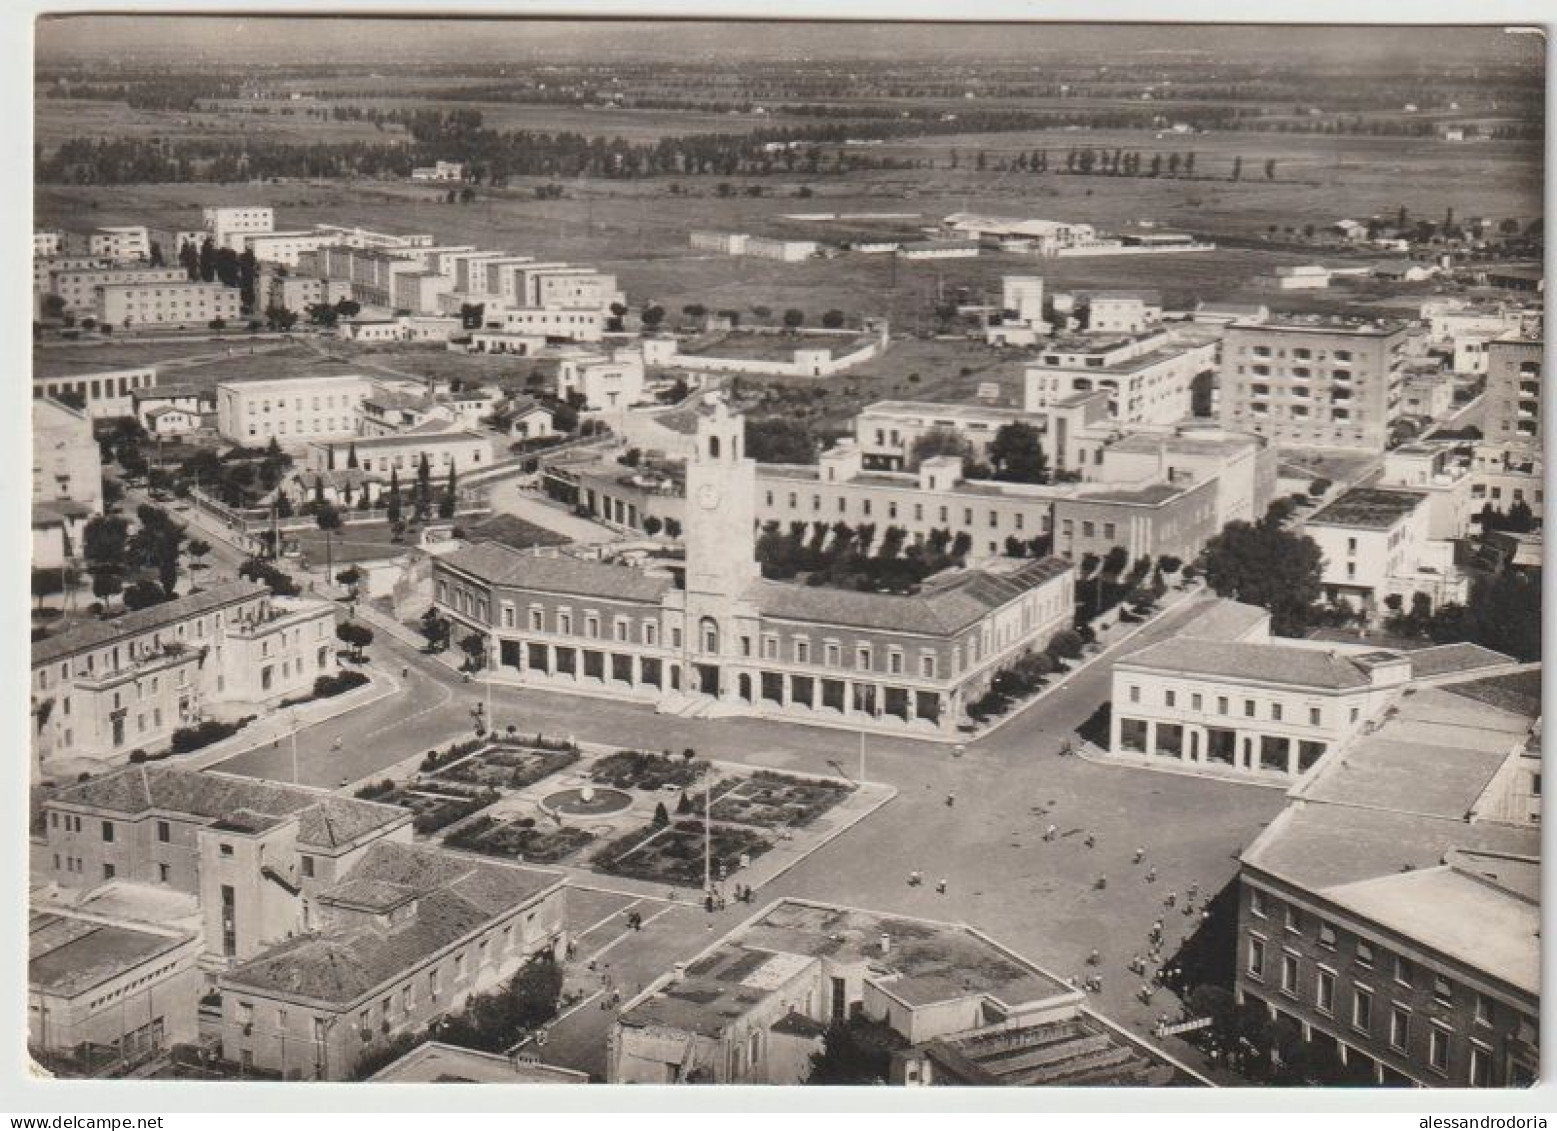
(905, 555)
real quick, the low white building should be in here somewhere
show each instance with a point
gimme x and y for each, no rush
(105, 393)
(939, 249)
(1253, 708)
(604, 384)
(441, 172)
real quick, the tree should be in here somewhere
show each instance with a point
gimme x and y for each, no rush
(855, 1051)
(672, 528)
(475, 648)
(1263, 564)
(436, 627)
(143, 594)
(103, 542)
(106, 583)
(652, 525)
(206, 260)
(1017, 454)
(197, 548)
(447, 504)
(661, 815)
(833, 319)
(328, 519)
(938, 442)
(189, 260)
(393, 507)
(779, 439)
(652, 316)
(351, 577)
(355, 636)
(793, 318)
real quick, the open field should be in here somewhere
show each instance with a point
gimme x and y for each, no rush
(58, 119)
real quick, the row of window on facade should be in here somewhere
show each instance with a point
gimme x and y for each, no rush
(1197, 702)
(1367, 960)
(1018, 518)
(436, 981)
(1301, 353)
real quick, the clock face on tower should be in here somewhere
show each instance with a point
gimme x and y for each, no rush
(708, 496)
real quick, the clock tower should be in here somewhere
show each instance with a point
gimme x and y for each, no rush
(721, 512)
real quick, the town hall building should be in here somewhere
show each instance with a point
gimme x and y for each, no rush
(722, 640)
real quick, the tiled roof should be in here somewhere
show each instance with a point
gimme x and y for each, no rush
(499, 565)
(1269, 663)
(95, 634)
(957, 604)
(324, 819)
(455, 896)
(67, 955)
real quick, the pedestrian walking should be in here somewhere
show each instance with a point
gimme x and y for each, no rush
(1194, 890)
(951, 799)
(1094, 958)
(1173, 897)
(1189, 908)
(1100, 883)
(1151, 875)
(1090, 841)
(1140, 854)
(941, 887)
(1050, 833)
(336, 745)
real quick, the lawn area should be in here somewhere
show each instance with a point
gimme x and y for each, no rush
(436, 805)
(674, 854)
(513, 531)
(365, 542)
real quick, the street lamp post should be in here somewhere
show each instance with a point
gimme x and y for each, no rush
(862, 757)
(708, 825)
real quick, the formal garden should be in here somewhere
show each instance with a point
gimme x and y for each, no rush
(673, 852)
(537, 800)
(521, 839)
(772, 800)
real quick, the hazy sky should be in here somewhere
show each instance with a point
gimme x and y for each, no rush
(290, 39)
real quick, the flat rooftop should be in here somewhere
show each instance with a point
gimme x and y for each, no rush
(944, 411)
(1277, 664)
(1324, 324)
(435, 1063)
(1368, 508)
(927, 962)
(67, 955)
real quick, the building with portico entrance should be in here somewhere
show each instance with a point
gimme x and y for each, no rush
(713, 637)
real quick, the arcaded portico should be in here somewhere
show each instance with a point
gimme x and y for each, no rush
(726, 641)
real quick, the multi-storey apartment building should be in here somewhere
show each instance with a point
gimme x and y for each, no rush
(731, 642)
(1123, 312)
(606, 384)
(292, 411)
(283, 248)
(121, 244)
(1375, 542)
(1149, 376)
(560, 323)
(298, 292)
(1313, 382)
(104, 689)
(1505, 474)
(1513, 397)
(47, 243)
(166, 303)
(1391, 913)
(77, 286)
(229, 225)
(105, 393)
(405, 935)
(886, 431)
